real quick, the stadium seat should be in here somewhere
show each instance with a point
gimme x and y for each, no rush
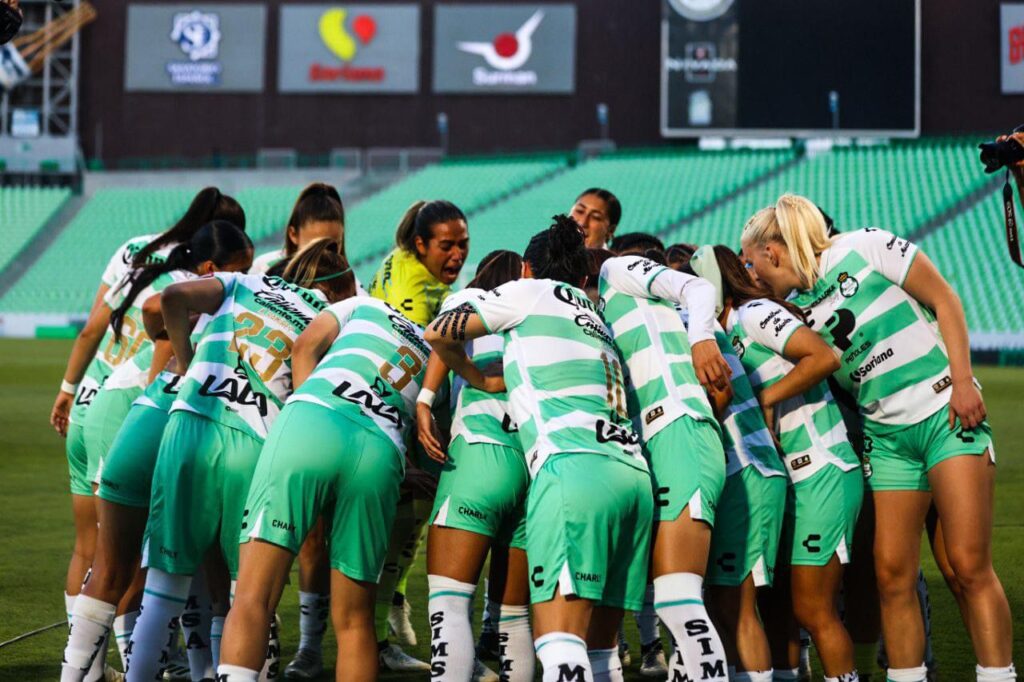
(898, 187)
(970, 251)
(23, 213)
(656, 188)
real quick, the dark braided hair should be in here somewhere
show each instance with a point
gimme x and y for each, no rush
(559, 253)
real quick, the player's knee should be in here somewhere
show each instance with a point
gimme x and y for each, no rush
(896, 579)
(813, 612)
(971, 572)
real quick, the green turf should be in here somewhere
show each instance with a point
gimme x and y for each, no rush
(36, 533)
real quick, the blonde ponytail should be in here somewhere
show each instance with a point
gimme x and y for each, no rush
(796, 222)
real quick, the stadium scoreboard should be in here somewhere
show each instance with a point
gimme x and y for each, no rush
(790, 67)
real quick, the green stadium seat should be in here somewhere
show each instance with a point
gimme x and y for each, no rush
(656, 188)
(23, 213)
(897, 187)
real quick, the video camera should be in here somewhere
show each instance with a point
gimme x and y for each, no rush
(1007, 152)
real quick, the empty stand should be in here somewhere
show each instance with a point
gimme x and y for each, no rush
(23, 213)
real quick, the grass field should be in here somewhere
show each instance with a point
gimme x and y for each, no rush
(36, 533)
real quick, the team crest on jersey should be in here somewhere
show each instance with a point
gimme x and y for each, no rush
(848, 284)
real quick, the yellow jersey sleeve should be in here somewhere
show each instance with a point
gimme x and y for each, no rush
(405, 283)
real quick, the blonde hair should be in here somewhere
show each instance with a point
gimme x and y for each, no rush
(321, 261)
(798, 224)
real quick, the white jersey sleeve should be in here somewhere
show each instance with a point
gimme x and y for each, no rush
(342, 310)
(119, 264)
(507, 306)
(641, 277)
(265, 261)
(887, 253)
(768, 323)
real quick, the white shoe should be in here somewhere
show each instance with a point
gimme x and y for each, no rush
(624, 658)
(400, 624)
(307, 665)
(481, 673)
(396, 660)
(652, 660)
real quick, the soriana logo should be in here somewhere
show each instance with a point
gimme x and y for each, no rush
(507, 53)
(344, 42)
(349, 48)
(505, 48)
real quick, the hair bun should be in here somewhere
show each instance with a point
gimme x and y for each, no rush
(566, 234)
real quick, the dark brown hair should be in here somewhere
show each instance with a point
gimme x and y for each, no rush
(322, 265)
(317, 202)
(497, 268)
(737, 286)
(206, 207)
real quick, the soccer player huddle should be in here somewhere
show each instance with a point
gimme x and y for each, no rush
(693, 434)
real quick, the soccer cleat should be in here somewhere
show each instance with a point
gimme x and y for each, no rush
(307, 665)
(487, 646)
(481, 673)
(177, 670)
(624, 658)
(652, 660)
(400, 625)
(393, 658)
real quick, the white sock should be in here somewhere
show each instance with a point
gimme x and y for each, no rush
(157, 626)
(605, 664)
(216, 632)
(515, 642)
(918, 674)
(90, 622)
(69, 605)
(1007, 674)
(451, 633)
(123, 627)
(236, 673)
(563, 656)
(647, 619)
(314, 609)
(786, 675)
(273, 660)
(195, 621)
(753, 676)
(680, 605)
(851, 676)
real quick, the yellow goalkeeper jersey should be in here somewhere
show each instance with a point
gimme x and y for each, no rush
(406, 284)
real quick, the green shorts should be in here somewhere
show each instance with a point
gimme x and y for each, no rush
(900, 457)
(588, 530)
(483, 490)
(127, 475)
(78, 460)
(200, 482)
(821, 514)
(102, 422)
(317, 462)
(745, 540)
(687, 469)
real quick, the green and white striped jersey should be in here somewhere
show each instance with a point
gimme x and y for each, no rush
(745, 436)
(373, 370)
(134, 371)
(161, 393)
(639, 299)
(110, 353)
(565, 384)
(810, 427)
(241, 373)
(894, 361)
(478, 416)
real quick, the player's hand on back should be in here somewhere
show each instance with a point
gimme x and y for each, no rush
(712, 369)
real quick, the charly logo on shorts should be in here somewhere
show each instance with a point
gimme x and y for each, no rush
(848, 284)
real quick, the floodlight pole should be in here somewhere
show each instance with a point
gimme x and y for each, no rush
(602, 119)
(442, 131)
